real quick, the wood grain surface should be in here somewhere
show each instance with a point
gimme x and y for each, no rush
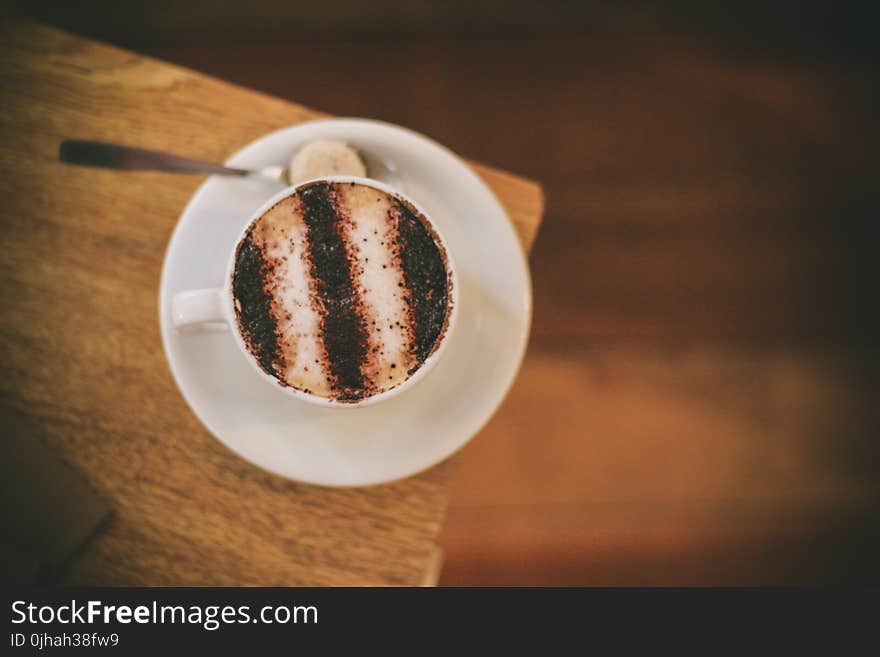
(81, 258)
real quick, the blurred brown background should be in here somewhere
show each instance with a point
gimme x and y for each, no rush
(698, 404)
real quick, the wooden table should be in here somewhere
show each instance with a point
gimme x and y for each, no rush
(81, 260)
(697, 405)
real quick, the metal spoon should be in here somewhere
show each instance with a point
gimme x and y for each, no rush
(130, 158)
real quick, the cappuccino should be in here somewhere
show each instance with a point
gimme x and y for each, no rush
(342, 290)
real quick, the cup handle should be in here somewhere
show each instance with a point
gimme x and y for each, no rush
(199, 308)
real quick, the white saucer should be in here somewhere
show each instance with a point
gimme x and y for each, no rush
(398, 437)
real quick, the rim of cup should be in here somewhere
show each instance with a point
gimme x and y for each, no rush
(426, 365)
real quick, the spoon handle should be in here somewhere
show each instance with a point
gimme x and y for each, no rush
(116, 156)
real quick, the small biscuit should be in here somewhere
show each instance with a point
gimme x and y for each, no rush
(322, 158)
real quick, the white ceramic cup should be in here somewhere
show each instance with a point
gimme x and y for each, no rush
(212, 309)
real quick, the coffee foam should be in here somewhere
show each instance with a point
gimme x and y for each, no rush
(351, 287)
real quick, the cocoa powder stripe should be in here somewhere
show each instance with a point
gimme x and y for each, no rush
(426, 279)
(342, 325)
(253, 307)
